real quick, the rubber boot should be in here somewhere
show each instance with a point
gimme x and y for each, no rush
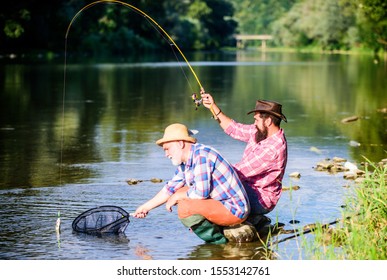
(204, 229)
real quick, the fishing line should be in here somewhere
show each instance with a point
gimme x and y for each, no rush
(147, 17)
(159, 29)
(63, 114)
(173, 51)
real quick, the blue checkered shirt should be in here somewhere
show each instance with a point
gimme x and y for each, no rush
(209, 175)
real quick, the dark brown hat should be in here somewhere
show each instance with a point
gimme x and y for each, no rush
(270, 107)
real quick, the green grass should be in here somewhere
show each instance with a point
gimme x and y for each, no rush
(362, 232)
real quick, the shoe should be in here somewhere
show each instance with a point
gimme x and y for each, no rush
(258, 221)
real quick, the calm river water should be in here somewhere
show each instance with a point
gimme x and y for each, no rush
(74, 155)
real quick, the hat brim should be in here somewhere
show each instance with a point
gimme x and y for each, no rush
(163, 140)
(282, 117)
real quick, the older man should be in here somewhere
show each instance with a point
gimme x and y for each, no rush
(205, 187)
(264, 159)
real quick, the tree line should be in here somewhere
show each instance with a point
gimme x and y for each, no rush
(30, 26)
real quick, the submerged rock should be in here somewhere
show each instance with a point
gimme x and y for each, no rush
(350, 119)
(354, 143)
(295, 175)
(136, 181)
(351, 171)
(294, 188)
(316, 150)
(241, 233)
(156, 180)
(339, 159)
(133, 181)
(324, 165)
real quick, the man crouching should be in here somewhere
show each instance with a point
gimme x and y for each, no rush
(205, 187)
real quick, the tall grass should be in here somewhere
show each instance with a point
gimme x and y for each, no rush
(362, 232)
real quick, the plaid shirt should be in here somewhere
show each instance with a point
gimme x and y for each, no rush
(209, 175)
(263, 164)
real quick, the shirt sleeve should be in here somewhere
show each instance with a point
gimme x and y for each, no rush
(177, 182)
(240, 131)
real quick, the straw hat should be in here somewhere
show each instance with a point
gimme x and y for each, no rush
(176, 132)
(270, 107)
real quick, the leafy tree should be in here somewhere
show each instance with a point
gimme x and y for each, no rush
(314, 22)
(372, 21)
(110, 28)
(217, 23)
(256, 17)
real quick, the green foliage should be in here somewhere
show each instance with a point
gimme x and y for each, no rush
(363, 232)
(256, 17)
(13, 29)
(372, 21)
(114, 29)
(30, 25)
(321, 22)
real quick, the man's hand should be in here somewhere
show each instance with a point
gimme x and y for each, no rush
(174, 199)
(141, 212)
(171, 202)
(207, 100)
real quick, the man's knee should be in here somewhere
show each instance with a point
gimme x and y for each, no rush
(191, 220)
(204, 229)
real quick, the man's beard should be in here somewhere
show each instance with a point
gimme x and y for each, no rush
(176, 162)
(261, 134)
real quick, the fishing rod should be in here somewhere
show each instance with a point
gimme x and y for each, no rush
(194, 96)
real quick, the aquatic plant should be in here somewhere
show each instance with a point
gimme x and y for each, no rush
(362, 233)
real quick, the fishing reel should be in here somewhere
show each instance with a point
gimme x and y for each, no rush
(196, 100)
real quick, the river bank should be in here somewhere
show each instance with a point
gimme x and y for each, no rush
(361, 233)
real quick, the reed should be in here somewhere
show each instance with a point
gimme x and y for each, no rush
(362, 232)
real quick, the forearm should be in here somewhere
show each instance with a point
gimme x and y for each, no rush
(223, 120)
(160, 198)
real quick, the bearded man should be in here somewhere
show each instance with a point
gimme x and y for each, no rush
(264, 159)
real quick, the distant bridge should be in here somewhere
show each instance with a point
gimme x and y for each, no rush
(240, 38)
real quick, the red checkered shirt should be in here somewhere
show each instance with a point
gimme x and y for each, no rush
(262, 166)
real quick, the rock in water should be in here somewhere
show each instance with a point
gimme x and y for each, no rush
(295, 175)
(242, 233)
(350, 119)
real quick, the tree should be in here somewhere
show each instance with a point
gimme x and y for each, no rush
(315, 22)
(372, 21)
(110, 28)
(256, 17)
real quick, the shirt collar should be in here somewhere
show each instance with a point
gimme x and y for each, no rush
(190, 156)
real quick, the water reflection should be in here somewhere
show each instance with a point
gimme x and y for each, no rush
(104, 238)
(78, 158)
(231, 251)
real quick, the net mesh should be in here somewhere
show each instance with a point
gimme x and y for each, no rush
(103, 219)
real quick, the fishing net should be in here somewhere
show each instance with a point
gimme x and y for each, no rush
(101, 220)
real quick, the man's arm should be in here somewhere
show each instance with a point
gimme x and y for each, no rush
(160, 198)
